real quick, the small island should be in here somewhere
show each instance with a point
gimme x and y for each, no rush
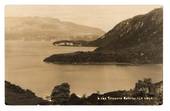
(76, 43)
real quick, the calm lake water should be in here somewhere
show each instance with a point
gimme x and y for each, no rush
(25, 67)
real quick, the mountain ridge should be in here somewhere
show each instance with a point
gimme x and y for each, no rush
(37, 28)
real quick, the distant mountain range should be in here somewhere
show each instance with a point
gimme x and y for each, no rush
(135, 40)
(43, 28)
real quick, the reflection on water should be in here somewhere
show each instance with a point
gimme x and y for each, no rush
(25, 67)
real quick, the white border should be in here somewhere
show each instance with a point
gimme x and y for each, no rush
(166, 99)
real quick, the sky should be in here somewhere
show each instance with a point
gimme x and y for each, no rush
(104, 17)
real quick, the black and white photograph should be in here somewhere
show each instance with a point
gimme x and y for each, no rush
(83, 55)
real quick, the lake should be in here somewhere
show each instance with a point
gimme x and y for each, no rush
(24, 66)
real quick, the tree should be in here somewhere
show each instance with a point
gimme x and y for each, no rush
(61, 94)
(143, 88)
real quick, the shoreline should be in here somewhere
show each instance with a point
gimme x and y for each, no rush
(104, 63)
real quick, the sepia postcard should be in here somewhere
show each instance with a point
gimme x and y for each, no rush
(83, 55)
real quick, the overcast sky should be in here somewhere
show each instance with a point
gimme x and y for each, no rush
(103, 17)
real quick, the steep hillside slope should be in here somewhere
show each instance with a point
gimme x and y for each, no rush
(130, 32)
(140, 37)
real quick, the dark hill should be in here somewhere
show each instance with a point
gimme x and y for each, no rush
(15, 95)
(140, 36)
(131, 32)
